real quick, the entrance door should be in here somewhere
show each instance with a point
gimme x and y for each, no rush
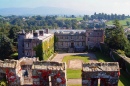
(72, 44)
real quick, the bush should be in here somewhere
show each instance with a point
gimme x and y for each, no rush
(127, 54)
(120, 52)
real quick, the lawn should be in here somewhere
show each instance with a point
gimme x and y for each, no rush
(124, 77)
(102, 58)
(63, 18)
(122, 22)
(72, 57)
(73, 74)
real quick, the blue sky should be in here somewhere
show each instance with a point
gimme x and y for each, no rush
(107, 6)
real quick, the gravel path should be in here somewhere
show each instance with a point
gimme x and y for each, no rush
(60, 56)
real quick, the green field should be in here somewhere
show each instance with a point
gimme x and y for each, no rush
(122, 22)
(63, 18)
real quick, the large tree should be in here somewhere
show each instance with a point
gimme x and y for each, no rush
(13, 33)
(6, 47)
(115, 37)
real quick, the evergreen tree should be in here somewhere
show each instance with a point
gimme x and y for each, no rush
(6, 47)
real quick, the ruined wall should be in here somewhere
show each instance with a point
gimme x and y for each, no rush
(105, 74)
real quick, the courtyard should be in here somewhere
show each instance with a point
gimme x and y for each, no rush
(74, 65)
(74, 61)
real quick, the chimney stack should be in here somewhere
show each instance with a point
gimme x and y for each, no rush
(35, 34)
(47, 31)
(41, 33)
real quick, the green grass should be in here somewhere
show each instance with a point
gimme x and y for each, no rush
(124, 78)
(14, 56)
(72, 57)
(63, 18)
(3, 83)
(73, 74)
(103, 58)
(122, 22)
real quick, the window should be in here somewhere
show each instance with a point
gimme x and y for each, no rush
(77, 43)
(88, 39)
(27, 44)
(82, 37)
(34, 44)
(77, 37)
(71, 37)
(27, 53)
(34, 53)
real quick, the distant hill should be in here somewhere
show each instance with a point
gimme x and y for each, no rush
(39, 11)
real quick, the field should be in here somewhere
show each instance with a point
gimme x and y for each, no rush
(63, 18)
(122, 22)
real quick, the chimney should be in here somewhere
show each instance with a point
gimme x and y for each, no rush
(32, 31)
(41, 33)
(47, 31)
(35, 34)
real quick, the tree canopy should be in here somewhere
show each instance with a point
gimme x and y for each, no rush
(6, 47)
(116, 39)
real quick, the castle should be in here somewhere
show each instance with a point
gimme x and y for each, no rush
(62, 40)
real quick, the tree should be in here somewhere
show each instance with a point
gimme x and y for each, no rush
(128, 23)
(115, 38)
(13, 33)
(6, 47)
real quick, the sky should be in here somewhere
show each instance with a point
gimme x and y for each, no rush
(106, 6)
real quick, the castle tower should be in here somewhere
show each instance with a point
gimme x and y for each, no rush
(20, 39)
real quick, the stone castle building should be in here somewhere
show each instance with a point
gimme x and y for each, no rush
(31, 72)
(65, 40)
(28, 41)
(77, 40)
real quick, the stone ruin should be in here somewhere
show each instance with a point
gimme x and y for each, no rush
(31, 72)
(53, 73)
(8, 72)
(105, 74)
